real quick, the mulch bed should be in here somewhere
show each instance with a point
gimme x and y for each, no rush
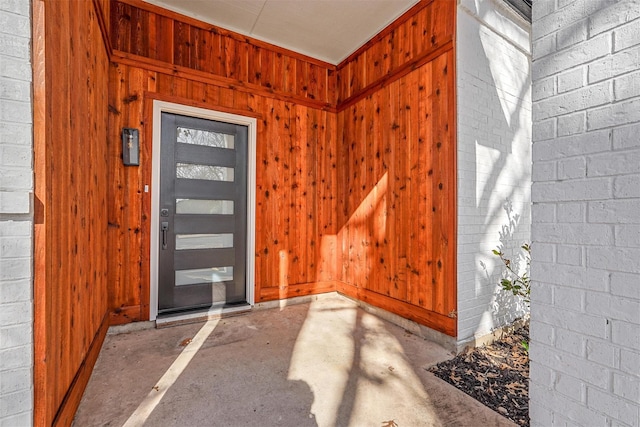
(496, 375)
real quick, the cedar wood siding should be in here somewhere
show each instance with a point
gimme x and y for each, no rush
(329, 139)
(71, 306)
(356, 168)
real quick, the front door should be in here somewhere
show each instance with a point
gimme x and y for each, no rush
(203, 214)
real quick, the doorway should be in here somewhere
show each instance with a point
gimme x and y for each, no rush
(203, 210)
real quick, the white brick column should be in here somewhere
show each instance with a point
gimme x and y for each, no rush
(494, 160)
(585, 309)
(16, 215)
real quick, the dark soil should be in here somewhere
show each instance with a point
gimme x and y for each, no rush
(496, 375)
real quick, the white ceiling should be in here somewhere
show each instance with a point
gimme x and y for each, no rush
(329, 30)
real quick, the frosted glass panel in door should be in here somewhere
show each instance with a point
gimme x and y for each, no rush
(206, 138)
(204, 207)
(206, 172)
(203, 241)
(204, 275)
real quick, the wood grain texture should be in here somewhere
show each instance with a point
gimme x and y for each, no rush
(402, 46)
(159, 11)
(347, 156)
(315, 288)
(361, 200)
(139, 29)
(419, 315)
(69, 405)
(396, 115)
(124, 315)
(211, 79)
(101, 8)
(288, 231)
(70, 275)
(217, 69)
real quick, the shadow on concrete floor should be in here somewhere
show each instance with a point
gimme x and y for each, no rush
(324, 363)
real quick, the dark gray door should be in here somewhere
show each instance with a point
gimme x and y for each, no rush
(203, 214)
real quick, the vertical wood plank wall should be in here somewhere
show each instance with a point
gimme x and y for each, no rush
(355, 168)
(70, 161)
(396, 103)
(161, 55)
(355, 163)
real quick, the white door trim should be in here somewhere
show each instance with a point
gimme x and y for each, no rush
(160, 107)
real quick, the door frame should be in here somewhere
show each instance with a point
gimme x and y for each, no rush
(160, 107)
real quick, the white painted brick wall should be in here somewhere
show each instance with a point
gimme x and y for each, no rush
(585, 310)
(494, 158)
(16, 223)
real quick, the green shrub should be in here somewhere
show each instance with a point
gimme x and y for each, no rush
(515, 282)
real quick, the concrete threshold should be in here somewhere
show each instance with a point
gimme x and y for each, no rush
(201, 316)
(320, 362)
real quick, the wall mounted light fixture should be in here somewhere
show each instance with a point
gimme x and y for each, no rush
(130, 147)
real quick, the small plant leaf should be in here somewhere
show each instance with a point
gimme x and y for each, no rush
(518, 283)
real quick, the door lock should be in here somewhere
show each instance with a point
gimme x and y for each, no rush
(164, 227)
(164, 212)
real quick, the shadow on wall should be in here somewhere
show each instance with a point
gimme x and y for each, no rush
(505, 305)
(494, 163)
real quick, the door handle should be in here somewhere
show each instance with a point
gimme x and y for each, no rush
(164, 227)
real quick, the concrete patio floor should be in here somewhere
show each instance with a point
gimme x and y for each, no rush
(323, 363)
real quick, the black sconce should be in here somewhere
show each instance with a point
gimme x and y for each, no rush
(130, 147)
